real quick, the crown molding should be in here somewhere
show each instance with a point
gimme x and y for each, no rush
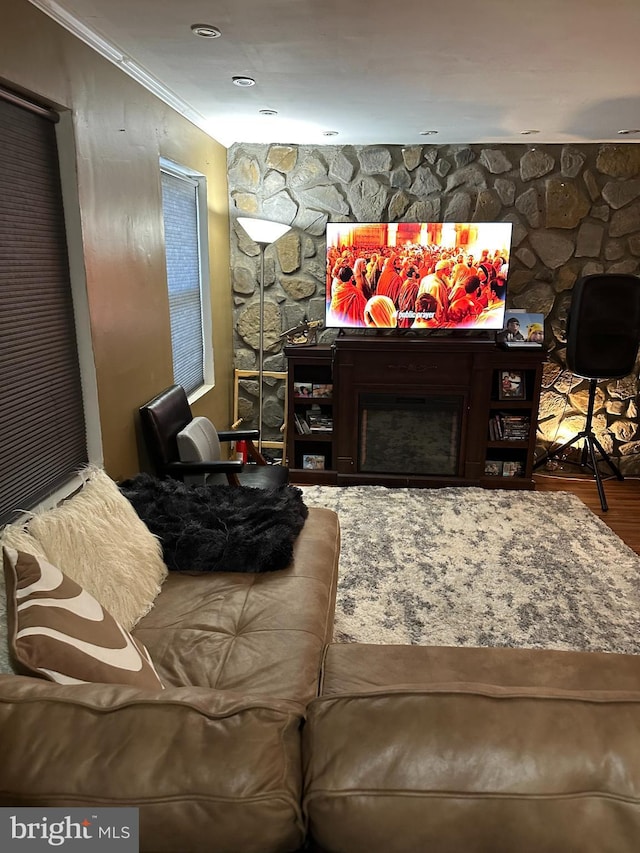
(111, 52)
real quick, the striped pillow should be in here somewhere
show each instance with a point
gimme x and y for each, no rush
(58, 631)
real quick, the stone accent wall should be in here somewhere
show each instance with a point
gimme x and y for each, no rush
(575, 211)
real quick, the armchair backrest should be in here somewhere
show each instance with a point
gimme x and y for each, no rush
(199, 442)
(162, 419)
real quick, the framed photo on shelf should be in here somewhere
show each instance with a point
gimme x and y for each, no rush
(511, 385)
(324, 390)
(493, 468)
(522, 330)
(302, 389)
(512, 469)
(313, 461)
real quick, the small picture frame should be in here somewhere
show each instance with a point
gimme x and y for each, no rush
(512, 469)
(493, 468)
(322, 390)
(313, 461)
(522, 330)
(302, 389)
(511, 385)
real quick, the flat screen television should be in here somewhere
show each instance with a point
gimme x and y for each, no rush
(406, 275)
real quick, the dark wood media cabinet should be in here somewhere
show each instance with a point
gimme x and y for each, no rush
(409, 411)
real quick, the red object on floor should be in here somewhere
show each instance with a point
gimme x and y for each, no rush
(241, 450)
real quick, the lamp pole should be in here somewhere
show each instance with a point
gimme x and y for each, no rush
(263, 232)
(261, 347)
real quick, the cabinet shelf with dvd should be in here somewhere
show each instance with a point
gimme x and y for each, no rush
(516, 377)
(310, 416)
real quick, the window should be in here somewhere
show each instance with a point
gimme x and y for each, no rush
(185, 226)
(42, 425)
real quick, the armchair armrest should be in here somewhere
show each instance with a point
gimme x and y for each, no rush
(209, 770)
(223, 466)
(248, 435)
(235, 434)
(231, 468)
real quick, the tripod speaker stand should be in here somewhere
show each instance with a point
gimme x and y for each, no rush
(603, 332)
(588, 457)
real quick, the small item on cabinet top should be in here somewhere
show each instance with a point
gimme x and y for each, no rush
(305, 334)
(522, 330)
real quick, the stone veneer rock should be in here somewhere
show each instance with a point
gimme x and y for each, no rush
(575, 211)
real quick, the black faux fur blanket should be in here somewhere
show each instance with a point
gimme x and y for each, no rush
(219, 528)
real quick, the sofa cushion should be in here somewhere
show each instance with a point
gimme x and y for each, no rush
(97, 539)
(451, 749)
(58, 631)
(258, 633)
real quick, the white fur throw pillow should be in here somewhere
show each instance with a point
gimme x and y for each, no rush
(15, 536)
(97, 539)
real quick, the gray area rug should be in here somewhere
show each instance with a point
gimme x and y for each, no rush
(479, 567)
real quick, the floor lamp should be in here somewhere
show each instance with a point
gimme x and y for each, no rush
(263, 232)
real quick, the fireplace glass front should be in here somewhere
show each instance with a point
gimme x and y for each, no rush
(410, 434)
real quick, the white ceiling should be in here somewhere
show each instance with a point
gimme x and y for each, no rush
(379, 71)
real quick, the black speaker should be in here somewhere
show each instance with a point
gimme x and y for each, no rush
(603, 329)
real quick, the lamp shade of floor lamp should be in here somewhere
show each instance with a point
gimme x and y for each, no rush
(263, 232)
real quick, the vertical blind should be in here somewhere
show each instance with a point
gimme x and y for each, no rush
(180, 209)
(42, 428)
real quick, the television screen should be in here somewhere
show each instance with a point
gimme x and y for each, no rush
(429, 275)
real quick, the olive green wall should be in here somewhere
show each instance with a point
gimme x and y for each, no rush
(120, 131)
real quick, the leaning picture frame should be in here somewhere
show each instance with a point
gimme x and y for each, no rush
(302, 389)
(313, 461)
(511, 385)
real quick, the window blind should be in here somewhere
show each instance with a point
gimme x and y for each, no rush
(180, 209)
(42, 428)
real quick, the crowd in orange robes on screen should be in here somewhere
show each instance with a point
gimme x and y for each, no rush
(387, 287)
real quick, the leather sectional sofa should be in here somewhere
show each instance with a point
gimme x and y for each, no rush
(268, 738)
(214, 760)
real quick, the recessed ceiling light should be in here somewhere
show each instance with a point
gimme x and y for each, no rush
(206, 31)
(329, 132)
(627, 132)
(243, 82)
(428, 132)
(268, 112)
(528, 132)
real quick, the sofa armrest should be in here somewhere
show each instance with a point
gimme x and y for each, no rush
(209, 770)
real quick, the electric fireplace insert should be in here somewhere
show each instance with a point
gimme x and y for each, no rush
(410, 434)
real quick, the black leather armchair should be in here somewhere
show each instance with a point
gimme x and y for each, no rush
(187, 448)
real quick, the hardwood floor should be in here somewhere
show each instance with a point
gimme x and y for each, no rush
(623, 498)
